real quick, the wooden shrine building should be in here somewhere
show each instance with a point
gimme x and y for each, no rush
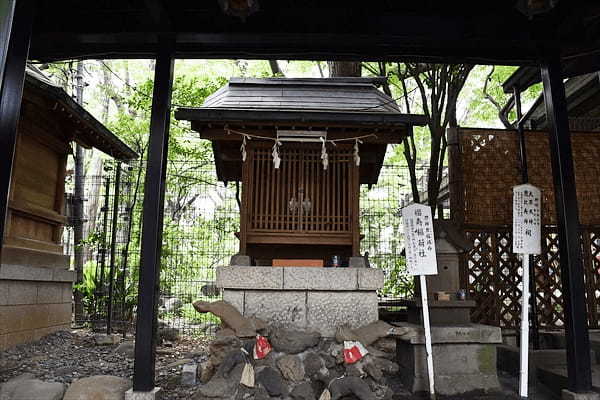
(301, 148)
(35, 279)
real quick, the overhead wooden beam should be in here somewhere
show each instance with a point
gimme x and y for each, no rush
(381, 137)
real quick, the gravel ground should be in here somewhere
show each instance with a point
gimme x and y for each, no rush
(66, 356)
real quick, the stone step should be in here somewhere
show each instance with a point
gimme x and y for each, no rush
(509, 358)
(555, 379)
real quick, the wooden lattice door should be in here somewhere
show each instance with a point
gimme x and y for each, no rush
(300, 203)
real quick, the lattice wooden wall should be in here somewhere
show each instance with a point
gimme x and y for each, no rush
(490, 168)
(488, 161)
(493, 275)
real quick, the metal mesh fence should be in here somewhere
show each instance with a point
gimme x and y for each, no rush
(200, 222)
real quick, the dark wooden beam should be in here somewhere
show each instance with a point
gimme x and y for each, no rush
(152, 226)
(11, 92)
(362, 119)
(159, 14)
(381, 137)
(572, 274)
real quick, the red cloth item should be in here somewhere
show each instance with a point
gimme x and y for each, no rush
(353, 351)
(262, 347)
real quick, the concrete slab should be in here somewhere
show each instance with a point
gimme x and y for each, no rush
(154, 394)
(568, 395)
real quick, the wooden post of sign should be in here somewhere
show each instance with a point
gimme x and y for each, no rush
(427, 327)
(524, 356)
(526, 237)
(419, 242)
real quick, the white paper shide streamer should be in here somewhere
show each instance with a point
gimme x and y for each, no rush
(356, 152)
(324, 155)
(243, 149)
(276, 158)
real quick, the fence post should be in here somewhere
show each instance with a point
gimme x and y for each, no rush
(113, 245)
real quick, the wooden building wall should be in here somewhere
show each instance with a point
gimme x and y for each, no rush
(35, 282)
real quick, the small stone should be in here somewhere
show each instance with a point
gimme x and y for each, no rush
(126, 348)
(385, 365)
(188, 374)
(240, 260)
(221, 346)
(177, 363)
(291, 367)
(23, 387)
(293, 341)
(106, 340)
(314, 365)
(272, 381)
(99, 387)
(303, 391)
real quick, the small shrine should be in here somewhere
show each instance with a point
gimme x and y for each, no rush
(301, 149)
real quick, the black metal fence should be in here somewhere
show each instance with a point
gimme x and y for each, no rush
(200, 222)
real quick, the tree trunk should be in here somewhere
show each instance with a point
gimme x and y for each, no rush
(275, 70)
(78, 204)
(338, 69)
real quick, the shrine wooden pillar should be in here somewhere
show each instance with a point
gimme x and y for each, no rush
(572, 274)
(15, 33)
(152, 222)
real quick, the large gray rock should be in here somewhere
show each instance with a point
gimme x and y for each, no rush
(272, 381)
(291, 368)
(221, 346)
(293, 341)
(25, 387)
(221, 386)
(303, 391)
(351, 385)
(314, 366)
(99, 387)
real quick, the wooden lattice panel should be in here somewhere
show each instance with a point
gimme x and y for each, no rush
(490, 164)
(494, 277)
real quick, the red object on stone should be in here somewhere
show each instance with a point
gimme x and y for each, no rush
(354, 351)
(262, 347)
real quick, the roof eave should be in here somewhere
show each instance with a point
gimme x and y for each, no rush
(290, 116)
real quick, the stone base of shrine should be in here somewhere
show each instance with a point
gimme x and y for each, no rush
(319, 299)
(464, 358)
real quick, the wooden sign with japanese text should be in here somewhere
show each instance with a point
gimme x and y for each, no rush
(419, 240)
(527, 227)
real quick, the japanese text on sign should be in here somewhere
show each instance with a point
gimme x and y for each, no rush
(526, 219)
(419, 240)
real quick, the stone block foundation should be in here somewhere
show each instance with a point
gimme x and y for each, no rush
(319, 299)
(34, 300)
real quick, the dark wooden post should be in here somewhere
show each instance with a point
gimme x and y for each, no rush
(154, 189)
(573, 289)
(15, 48)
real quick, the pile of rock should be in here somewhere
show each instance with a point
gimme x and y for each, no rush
(301, 364)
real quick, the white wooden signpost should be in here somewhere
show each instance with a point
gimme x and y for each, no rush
(421, 260)
(526, 240)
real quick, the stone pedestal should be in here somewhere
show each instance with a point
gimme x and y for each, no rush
(320, 299)
(464, 358)
(453, 312)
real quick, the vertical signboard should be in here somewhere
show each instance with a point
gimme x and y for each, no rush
(421, 260)
(526, 235)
